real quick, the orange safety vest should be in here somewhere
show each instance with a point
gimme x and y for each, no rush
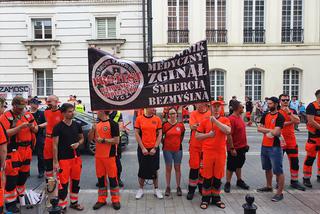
(316, 118)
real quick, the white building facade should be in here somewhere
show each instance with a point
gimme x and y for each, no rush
(257, 48)
(44, 43)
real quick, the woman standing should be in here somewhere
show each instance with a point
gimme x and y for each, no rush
(148, 132)
(173, 133)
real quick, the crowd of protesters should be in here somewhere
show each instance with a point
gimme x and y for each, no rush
(217, 147)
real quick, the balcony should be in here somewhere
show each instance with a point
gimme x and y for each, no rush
(178, 36)
(294, 35)
(252, 36)
(217, 36)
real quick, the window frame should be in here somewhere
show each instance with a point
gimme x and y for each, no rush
(212, 21)
(30, 30)
(44, 70)
(290, 85)
(253, 84)
(107, 27)
(96, 16)
(214, 73)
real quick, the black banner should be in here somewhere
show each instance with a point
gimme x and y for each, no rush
(118, 84)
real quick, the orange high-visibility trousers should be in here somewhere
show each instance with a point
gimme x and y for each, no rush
(195, 178)
(106, 167)
(293, 157)
(70, 172)
(25, 153)
(48, 156)
(1, 192)
(313, 149)
(13, 164)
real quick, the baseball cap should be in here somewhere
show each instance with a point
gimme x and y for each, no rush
(35, 101)
(274, 99)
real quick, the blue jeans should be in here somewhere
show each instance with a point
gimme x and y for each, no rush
(271, 158)
(172, 157)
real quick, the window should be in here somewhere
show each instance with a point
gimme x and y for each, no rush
(217, 83)
(254, 31)
(216, 21)
(106, 28)
(253, 84)
(44, 82)
(291, 82)
(178, 21)
(292, 15)
(42, 28)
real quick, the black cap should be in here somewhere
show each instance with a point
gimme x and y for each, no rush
(274, 99)
(35, 101)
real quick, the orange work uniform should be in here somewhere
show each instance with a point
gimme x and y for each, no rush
(19, 155)
(313, 143)
(52, 118)
(214, 157)
(105, 158)
(195, 151)
(70, 162)
(3, 140)
(291, 147)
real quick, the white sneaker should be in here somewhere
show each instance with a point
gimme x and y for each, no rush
(139, 194)
(158, 193)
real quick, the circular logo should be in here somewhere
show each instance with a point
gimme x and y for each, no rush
(105, 128)
(178, 129)
(116, 81)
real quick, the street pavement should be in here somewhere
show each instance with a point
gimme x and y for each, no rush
(294, 201)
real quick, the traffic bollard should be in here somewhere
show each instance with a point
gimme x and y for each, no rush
(249, 207)
(55, 209)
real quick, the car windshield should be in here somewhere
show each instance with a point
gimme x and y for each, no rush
(84, 117)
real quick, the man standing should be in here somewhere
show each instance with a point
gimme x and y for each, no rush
(196, 117)
(313, 143)
(294, 104)
(106, 135)
(271, 151)
(237, 147)
(67, 137)
(234, 98)
(20, 127)
(3, 154)
(116, 116)
(264, 105)
(291, 118)
(249, 109)
(80, 107)
(53, 116)
(40, 119)
(213, 133)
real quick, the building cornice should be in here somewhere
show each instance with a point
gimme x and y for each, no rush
(4, 3)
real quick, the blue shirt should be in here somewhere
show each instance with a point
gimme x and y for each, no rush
(302, 108)
(294, 105)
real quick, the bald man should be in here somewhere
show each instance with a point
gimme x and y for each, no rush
(53, 116)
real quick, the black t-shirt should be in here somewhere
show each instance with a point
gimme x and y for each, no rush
(67, 136)
(249, 106)
(39, 118)
(311, 110)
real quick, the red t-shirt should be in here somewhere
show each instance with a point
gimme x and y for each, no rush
(218, 142)
(52, 118)
(288, 131)
(173, 136)
(238, 132)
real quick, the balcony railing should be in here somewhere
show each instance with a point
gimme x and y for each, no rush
(217, 36)
(294, 35)
(178, 36)
(253, 36)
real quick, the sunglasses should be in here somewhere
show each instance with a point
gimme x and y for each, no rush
(285, 100)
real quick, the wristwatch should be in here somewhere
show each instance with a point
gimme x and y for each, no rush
(103, 140)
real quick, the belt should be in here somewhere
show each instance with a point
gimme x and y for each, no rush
(24, 144)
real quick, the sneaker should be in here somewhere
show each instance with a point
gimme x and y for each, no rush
(297, 185)
(12, 209)
(158, 193)
(139, 194)
(98, 205)
(307, 182)
(190, 195)
(265, 189)
(277, 197)
(116, 206)
(242, 184)
(227, 187)
(167, 193)
(179, 191)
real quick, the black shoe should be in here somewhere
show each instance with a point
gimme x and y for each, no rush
(307, 183)
(227, 187)
(277, 198)
(242, 184)
(297, 185)
(120, 183)
(190, 195)
(318, 178)
(12, 208)
(41, 175)
(98, 205)
(97, 184)
(116, 206)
